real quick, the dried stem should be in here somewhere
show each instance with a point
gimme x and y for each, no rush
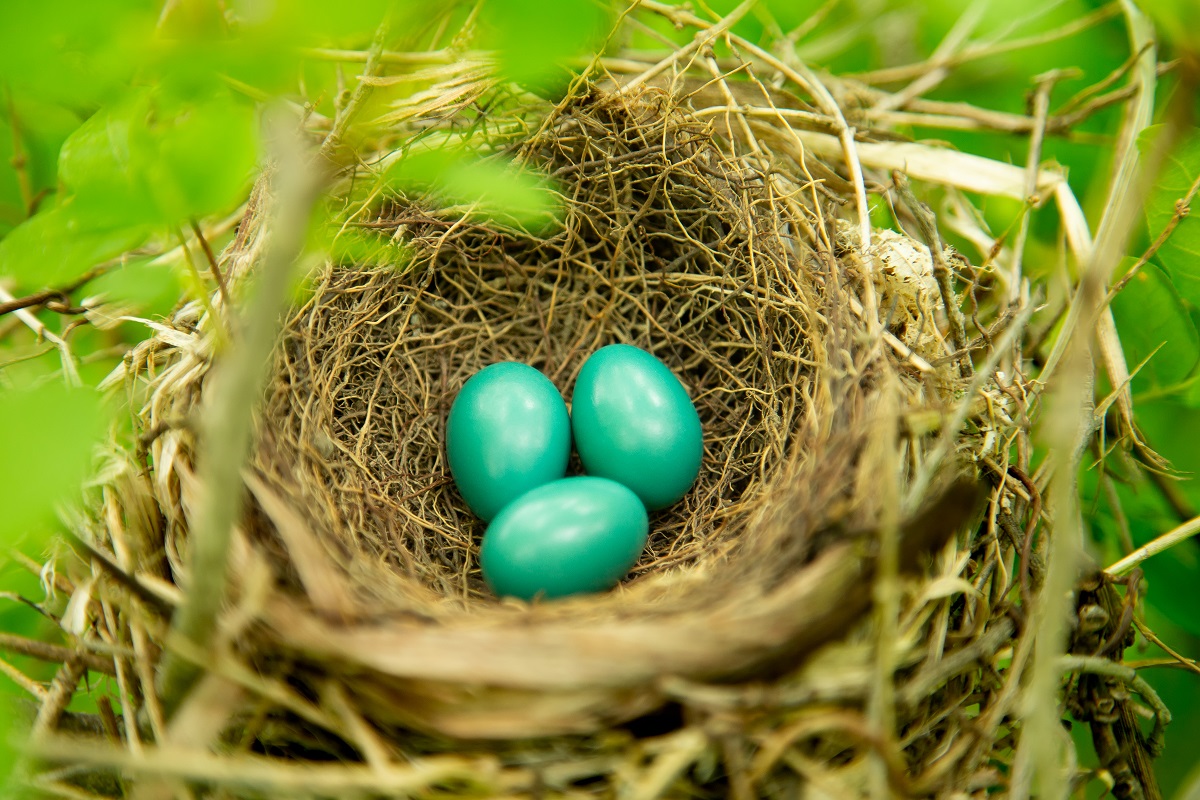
(57, 653)
(1165, 542)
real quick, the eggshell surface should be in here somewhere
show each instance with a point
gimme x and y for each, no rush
(572, 536)
(508, 432)
(634, 423)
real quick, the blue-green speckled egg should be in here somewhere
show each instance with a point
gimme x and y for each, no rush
(635, 424)
(508, 432)
(572, 536)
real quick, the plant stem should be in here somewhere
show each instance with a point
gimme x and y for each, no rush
(236, 387)
(1164, 542)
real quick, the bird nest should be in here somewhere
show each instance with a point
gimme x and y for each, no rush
(843, 431)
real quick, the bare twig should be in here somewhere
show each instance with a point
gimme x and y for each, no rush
(52, 652)
(1189, 664)
(212, 263)
(1183, 207)
(272, 776)
(62, 293)
(20, 159)
(66, 357)
(1164, 542)
(1112, 669)
(985, 50)
(1041, 109)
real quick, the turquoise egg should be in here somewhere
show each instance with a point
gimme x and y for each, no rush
(508, 432)
(635, 424)
(571, 536)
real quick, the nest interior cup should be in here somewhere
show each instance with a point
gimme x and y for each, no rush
(667, 243)
(375, 359)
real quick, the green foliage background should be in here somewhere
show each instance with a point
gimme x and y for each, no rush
(122, 127)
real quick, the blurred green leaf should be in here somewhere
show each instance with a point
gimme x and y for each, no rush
(207, 154)
(9, 695)
(47, 450)
(495, 188)
(12, 200)
(533, 40)
(152, 160)
(1180, 254)
(74, 52)
(56, 245)
(1152, 318)
(101, 167)
(348, 245)
(1179, 20)
(315, 22)
(35, 130)
(151, 289)
(20, 619)
(157, 158)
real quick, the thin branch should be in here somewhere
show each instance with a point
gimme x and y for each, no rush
(1189, 664)
(978, 51)
(53, 652)
(62, 294)
(212, 263)
(938, 60)
(20, 159)
(200, 290)
(1084, 96)
(1041, 111)
(21, 679)
(1183, 207)
(359, 96)
(272, 776)
(1128, 675)
(1168, 540)
(432, 57)
(66, 357)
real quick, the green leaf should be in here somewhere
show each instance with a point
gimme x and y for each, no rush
(1179, 20)
(207, 152)
(533, 39)
(101, 166)
(316, 21)
(9, 695)
(1152, 318)
(494, 187)
(78, 53)
(46, 449)
(12, 200)
(34, 130)
(157, 158)
(18, 618)
(1180, 254)
(56, 245)
(38, 129)
(152, 289)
